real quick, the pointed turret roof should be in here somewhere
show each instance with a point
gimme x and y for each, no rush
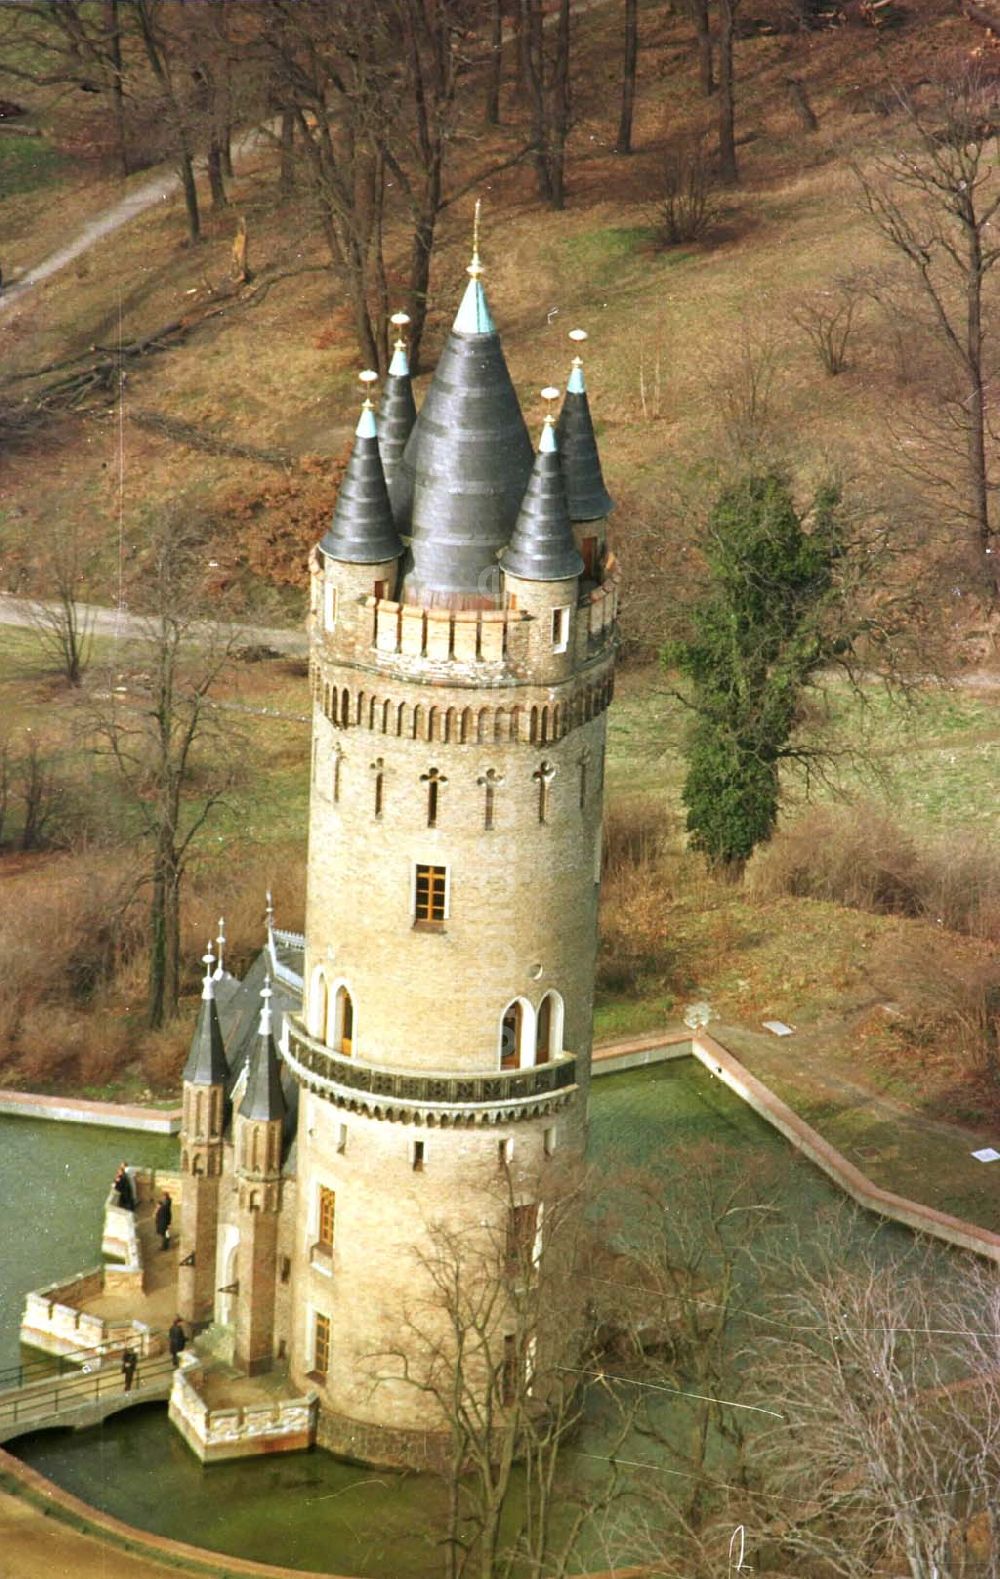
(588, 498)
(264, 1098)
(206, 1064)
(397, 413)
(542, 547)
(466, 464)
(362, 531)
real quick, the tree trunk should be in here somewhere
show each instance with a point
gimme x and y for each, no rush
(801, 105)
(112, 27)
(494, 73)
(535, 54)
(226, 145)
(216, 184)
(623, 145)
(420, 270)
(728, 169)
(186, 172)
(703, 33)
(286, 177)
(978, 457)
(559, 129)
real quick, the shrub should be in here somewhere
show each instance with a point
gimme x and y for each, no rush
(686, 209)
(861, 858)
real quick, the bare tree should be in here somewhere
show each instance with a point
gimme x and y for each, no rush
(163, 743)
(70, 44)
(500, 1346)
(547, 69)
(934, 201)
(887, 1375)
(62, 620)
(42, 797)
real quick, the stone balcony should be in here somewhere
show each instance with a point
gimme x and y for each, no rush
(437, 1098)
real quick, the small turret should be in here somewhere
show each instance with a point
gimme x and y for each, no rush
(541, 547)
(586, 494)
(257, 1135)
(204, 1115)
(396, 415)
(263, 1098)
(362, 531)
(206, 1063)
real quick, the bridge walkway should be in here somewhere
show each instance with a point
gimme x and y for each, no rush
(81, 1398)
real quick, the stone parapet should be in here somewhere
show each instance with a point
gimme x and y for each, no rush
(53, 1321)
(436, 1097)
(287, 1425)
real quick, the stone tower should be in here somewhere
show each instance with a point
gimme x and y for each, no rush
(206, 1074)
(460, 687)
(257, 1139)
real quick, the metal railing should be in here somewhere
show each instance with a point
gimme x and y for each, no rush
(47, 1399)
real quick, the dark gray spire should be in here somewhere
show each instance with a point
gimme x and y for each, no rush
(206, 1063)
(542, 547)
(264, 1098)
(466, 464)
(362, 530)
(588, 498)
(397, 413)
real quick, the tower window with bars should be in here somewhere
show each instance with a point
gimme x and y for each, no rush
(431, 893)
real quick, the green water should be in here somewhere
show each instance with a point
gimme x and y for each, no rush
(307, 1510)
(54, 1179)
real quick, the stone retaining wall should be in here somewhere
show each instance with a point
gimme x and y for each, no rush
(660, 1047)
(912, 1214)
(80, 1110)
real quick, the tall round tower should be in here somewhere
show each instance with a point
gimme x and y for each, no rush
(459, 689)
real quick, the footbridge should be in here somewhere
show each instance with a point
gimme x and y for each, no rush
(79, 1397)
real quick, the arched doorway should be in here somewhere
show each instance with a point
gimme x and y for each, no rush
(514, 1035)
(548, 1029)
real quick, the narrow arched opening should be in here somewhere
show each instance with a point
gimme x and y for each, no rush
(343, 1022)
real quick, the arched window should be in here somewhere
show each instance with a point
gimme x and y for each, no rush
(343, 1022)
(516, 1038)
(317, 1004)
(549, 1028)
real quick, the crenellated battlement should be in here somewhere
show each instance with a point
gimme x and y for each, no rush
(465, 647)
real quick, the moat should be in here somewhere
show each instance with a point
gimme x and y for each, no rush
(308, 1510)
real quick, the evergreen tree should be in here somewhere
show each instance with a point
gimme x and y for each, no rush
(769, 618)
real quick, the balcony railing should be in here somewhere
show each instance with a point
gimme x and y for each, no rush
(505, 1088)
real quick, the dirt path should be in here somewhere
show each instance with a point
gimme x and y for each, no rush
(23, 612)
(160, 189)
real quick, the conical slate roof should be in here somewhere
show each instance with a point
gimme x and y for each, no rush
(362, 530)
(542, 547)
(264, 1098)
(206, 1063)
(588, 498)
(467, 463)
(397, 413)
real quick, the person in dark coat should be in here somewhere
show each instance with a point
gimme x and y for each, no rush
(124, 1188)
(177, 1339)
(130, 1361)
(163, 1219)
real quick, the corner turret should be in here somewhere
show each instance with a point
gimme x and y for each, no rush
(204, 1112)
(257, 1138)
(588, 499)
(396, 415)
